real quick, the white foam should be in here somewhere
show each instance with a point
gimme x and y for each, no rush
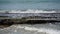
(49, 31)
(27, 11)
(15, 31)
(35, 29)
(32, 11)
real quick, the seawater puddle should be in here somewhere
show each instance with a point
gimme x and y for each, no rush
(29, 29)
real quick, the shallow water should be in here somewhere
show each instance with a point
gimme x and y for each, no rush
(32, 29)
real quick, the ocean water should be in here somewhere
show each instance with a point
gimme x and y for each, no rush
(30, 4)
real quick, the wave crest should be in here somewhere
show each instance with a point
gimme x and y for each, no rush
(27, 11)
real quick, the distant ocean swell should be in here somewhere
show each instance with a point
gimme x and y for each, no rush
(29, 4)
(29, 1)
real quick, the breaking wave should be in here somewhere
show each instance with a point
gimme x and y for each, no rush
(27, 11)
(41, 29)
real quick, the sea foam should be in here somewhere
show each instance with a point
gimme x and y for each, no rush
(26, 11)
(31, 28)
